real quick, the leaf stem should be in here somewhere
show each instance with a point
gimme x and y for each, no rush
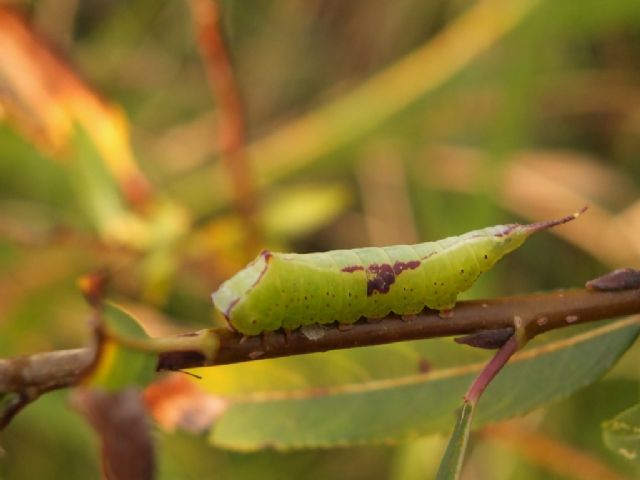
(204, 341)
(492, 368)
(453, 458)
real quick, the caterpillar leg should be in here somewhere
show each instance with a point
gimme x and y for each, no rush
(287, 334)
(446, 313)
(268, 339)
(373, 319)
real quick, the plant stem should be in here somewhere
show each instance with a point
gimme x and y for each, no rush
(491, 370)
(230, 110)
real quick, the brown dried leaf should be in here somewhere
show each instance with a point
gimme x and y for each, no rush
(178, 402)
(45, 98)
(120, 420)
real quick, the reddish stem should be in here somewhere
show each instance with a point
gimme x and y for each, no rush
(491, 369)
(232, 125)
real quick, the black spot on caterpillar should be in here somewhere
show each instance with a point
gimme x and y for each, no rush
(289, 290)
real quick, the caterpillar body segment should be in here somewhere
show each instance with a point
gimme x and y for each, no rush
(288, 290)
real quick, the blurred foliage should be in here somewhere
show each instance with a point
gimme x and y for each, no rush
(351, 144)
(622, 433)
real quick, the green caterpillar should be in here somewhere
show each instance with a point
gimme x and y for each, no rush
(289, 290)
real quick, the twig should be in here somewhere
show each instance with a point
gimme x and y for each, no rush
(490, 370)
(44, 371)
(232, 125)
(537, 313)
(24, 379)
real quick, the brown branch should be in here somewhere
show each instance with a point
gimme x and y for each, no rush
(232, 125)
(538, 313)
(44, 371)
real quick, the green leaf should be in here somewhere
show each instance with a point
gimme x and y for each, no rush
(389, 410)
(453, 458)
(96, 188)
(101, 197)
(338, 367)
(622, 433)
(119, 365)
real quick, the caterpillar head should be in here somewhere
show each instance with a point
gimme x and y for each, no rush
(231, 292)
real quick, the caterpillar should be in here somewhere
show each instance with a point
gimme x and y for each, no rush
(289, 290)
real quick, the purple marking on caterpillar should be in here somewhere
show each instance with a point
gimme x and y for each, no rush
(400, 267)
(507, 229)
(382, 280)
(384, 275)
(267, 255)
(352, 268)
(227, 312)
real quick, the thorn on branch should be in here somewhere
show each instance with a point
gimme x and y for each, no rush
(621, 279)
(488, 339)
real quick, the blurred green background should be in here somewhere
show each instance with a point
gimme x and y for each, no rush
(368, 123)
